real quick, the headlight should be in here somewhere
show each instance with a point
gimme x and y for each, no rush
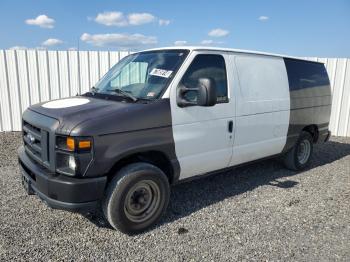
(73, 155)
(66, 163)
(71, 163)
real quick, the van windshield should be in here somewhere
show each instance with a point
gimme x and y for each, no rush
(143, 75)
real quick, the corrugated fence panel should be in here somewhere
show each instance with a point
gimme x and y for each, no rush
(84, 71)
(94, 67)
(104, 63)
(45, 92)
(13, 86)
(337, 95)
(54, 75)
(113, 58)
(32, 76)
(331, 69)
(343, 128)
(347, 85)
(6, 114)
(23, 79)
(64, 73)
(74, 72)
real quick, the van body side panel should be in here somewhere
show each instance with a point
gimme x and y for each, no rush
(262, 116)
(310, 98)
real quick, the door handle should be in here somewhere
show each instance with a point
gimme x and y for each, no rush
(230, 126)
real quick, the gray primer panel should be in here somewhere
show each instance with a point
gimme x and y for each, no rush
(308, 105)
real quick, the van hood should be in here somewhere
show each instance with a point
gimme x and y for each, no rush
(102, 116)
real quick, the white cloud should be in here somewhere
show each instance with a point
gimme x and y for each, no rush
(119, 19)
(218, 32)
(263, 18)
(72, 49)
(163, 22)
(111, 19)
(211, 42)
(52, 42)
(207, 42)
(140, 18)
(180, 42)
(18, 47)
(42, 20)
(28, 48)
(119, 40)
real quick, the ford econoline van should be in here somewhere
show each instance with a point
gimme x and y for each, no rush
(163, 116)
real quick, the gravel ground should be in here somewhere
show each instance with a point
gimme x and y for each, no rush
(257, 212)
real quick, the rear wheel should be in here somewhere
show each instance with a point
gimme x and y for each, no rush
(136, 198)
(298, 158)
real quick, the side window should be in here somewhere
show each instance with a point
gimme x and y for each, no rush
(206, 66)
(304, 74)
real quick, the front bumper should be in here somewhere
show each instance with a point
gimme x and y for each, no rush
(60, 191)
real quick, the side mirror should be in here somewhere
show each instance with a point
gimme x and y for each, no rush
(206, 94)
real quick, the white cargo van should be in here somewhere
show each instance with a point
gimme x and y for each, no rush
(166, 115)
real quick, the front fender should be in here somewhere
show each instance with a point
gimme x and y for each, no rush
(112, 148)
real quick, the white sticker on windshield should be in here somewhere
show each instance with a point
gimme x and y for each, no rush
(161, 72)
(151, 94)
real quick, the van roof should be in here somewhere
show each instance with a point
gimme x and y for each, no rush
(210, 48)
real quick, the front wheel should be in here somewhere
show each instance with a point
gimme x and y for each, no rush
(136, 198)
(298, 158)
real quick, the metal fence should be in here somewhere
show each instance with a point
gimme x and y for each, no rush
(339, 75)
(31, 76)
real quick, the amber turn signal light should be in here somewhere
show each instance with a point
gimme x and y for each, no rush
(70, 143)
(73, 144)
(85, 144)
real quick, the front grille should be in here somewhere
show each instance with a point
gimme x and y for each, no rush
(35, 143)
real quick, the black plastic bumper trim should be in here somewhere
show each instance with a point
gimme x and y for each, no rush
(73, 207)
(59, 191)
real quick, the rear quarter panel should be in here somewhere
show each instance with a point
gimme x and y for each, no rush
(310, 98)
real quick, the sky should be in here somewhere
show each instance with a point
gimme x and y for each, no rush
(298, 28)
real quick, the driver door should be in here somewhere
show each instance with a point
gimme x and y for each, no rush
(203, 135)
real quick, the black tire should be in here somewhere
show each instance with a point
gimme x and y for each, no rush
(133, 186)
(291, 159)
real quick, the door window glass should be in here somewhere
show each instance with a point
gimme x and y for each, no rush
(206, 66)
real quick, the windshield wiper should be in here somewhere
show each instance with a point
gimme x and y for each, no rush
(124, 93)
(94, 90)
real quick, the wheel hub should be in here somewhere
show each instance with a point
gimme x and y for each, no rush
(142, 201)
(304, 151)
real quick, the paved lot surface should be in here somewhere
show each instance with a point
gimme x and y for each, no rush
(259, 212)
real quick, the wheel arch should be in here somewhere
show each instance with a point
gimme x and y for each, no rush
(313, 130)
(154, 157)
